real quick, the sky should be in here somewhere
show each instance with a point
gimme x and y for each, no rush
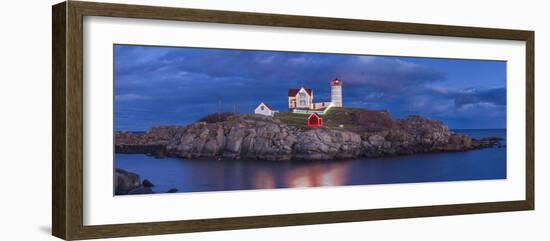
(157, 86)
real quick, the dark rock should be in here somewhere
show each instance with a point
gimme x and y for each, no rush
(147, 183)
(125, 181)
(217, 117)
(372, 121)
(487, 142)
(458, 142)
(149, 149)
(172, 190)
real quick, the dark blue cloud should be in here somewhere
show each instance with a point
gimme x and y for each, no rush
(164, 86)
(496, 96)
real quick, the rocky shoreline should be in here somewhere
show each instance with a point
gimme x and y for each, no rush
(129, 183)
(257, 137)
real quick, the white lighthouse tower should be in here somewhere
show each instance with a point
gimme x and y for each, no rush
(336, 92)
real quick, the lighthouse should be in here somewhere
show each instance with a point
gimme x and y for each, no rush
(336, 92)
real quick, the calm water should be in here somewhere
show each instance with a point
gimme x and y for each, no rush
(214, 175)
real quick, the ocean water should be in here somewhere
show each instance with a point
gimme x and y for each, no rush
(220, 175)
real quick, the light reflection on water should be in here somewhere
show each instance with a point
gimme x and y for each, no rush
(317, 175)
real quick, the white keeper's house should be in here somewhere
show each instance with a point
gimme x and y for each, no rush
(301, 100)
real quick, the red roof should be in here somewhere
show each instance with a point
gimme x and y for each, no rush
(294, 92)
(314, 115)
(336, 82)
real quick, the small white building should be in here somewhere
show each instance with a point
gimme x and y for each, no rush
(264, 109)
(321, 105)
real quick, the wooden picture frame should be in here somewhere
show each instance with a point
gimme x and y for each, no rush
(67, 152)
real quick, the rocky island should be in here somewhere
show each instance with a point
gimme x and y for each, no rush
(347, 134)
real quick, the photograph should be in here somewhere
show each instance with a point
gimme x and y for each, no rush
(190, 119)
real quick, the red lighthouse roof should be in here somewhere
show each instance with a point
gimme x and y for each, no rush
(294, 92)
(336, 82)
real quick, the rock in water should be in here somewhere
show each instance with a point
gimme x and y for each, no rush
(125, 181)
(147, 183)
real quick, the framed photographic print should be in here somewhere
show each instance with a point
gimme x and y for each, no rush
(171, 120)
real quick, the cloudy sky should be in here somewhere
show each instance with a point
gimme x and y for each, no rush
(176, 86)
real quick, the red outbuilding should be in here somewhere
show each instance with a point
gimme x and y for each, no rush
(314, 120)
